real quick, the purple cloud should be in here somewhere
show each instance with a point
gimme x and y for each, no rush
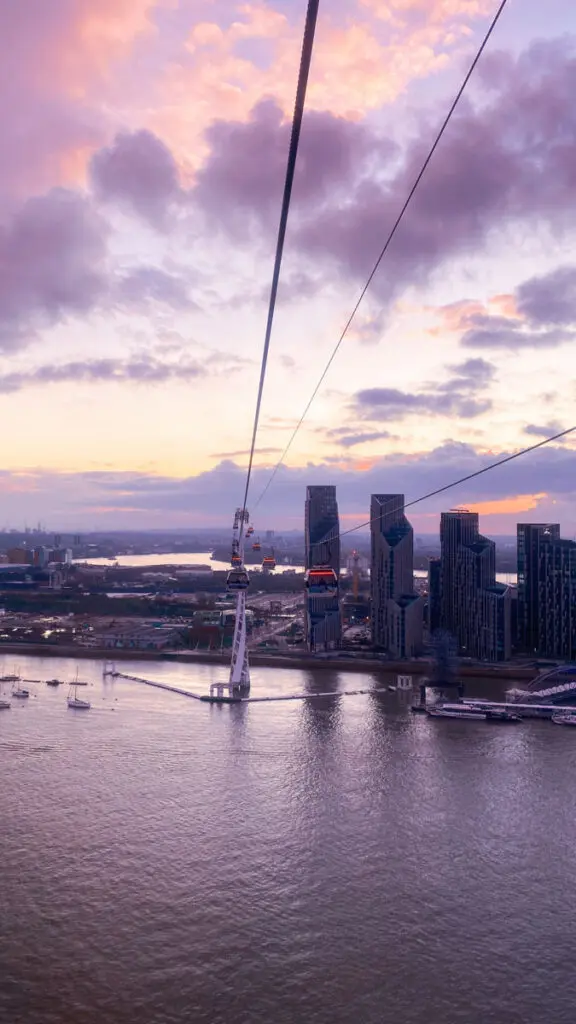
(458, 396)
(54, 266)
(155, 285)
(501, 161)
(137, 370)
(544, 430)
(245, 451)
(241, 183)
(200, 499)
(549, 298)
(52, 254)
(137, 171)
(392, 404)
(512, 337)
(346, 439)
(546, 306)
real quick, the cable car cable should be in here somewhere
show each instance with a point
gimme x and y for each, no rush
(389, 239)
(305, 62)
(464, 479)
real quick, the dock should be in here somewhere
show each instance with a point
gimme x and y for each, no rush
(525, 710)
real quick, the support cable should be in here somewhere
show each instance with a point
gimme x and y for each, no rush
(389, 239)
(463, 479)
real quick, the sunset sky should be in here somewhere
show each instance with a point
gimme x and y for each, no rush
(144, 149)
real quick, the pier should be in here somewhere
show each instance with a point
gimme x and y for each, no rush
(110, 670)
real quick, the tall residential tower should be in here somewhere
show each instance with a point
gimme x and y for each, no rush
(322, 545)
(474, 608)
(396, 609)
(546, 591)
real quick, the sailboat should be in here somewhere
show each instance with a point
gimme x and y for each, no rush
(74, 701)
(21, 692)
(12, 677)
(4, 704)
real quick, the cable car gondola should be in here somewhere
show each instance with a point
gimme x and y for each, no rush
(269, 562)
(256, 545)
(236, 580)
(236, 561)
(321, 579)
(249, 531)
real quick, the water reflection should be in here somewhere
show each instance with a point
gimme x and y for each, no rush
(333, 860)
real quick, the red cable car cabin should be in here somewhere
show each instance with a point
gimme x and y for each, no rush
(321, 579)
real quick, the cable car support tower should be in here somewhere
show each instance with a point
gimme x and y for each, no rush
(239, 667)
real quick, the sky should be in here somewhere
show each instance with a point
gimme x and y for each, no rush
(144, 145)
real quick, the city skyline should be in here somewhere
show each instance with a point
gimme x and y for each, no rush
(139, 190)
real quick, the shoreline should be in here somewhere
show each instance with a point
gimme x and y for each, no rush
(260, 659)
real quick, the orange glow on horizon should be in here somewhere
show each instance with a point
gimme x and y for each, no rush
(507, 506)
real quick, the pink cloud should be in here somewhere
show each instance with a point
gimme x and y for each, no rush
(358, 65)
(57, 58)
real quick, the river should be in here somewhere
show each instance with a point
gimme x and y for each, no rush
(183, 558)
(326, 861)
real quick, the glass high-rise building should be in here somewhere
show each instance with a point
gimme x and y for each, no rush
(473, 607)
(546, 591)
(396, 610)
(322, 547)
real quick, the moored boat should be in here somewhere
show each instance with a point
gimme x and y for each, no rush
(502, 715)
(74, 701)
(564, 717)
(473, 712)
(21, 693)
(457, 711)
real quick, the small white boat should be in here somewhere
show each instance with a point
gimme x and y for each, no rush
(10, 678)
(456, 711)
(473, 712)
(74, 701)
(4, 704)
(564, 717)
(21, 693)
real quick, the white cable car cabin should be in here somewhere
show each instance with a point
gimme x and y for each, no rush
(237, 579)
(321, 579)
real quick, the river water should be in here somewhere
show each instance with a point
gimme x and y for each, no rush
(325, 861)
(184, 558)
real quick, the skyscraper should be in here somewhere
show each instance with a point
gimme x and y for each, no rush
(473, 607)
(396, 609)
(434, 567)
(322, 546)
(546, 591)
(322, 527)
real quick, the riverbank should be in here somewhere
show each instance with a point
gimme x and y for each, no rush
(297, 660)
